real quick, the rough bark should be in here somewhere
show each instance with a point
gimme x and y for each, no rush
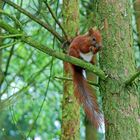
(120, 103)
(91, 132)
(70, 107)
(137, 14)
(1, 74)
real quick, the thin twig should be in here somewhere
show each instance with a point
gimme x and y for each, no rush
(8, 45)
(9, 59)
(56, 20)
(70, 79)
(10, 36)
(17, 22)
(15, 122)
(132, 78)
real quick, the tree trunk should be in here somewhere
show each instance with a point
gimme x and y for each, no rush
(91, 131)
(120, 103)
(137, 14)
(1, 74)
(70, 107)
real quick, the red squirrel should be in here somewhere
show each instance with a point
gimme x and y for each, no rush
(85, 47)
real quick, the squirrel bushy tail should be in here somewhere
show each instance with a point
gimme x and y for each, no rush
(85, 96)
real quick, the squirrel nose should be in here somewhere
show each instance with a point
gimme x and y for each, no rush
(98, 46)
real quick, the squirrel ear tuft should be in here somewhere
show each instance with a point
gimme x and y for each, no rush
(90, 31)
(94, 28)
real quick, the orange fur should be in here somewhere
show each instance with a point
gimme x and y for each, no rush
(84, 44)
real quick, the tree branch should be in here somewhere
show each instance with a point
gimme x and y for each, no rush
(54, 53)
(10, 36)
(132, 78)
(70, 79)
(43, 24)
(8, 60)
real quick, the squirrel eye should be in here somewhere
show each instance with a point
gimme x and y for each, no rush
(94, 39)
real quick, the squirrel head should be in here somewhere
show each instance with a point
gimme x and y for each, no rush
(95, 40)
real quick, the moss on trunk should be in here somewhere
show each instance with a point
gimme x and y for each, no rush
(70, 107)
(120, 103)
(137, 14)
(1, 74)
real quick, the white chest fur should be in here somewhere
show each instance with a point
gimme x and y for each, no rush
(86, 56)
